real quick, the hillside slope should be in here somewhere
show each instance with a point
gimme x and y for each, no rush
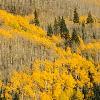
(34, 66)
(21, 42)
(52, 8)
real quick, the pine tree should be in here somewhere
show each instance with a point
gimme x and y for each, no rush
(94, 35)
(85, 91)
(67, 40)
(96, 90)
(56, 26)
(90, 18)
(64, 32)
(59, 20)
(36, 20)
(83, 31)
(16, 96)
(49, 30)
(75, 37)
(63, 28)
(59, 23)
(83, 26)
(76, 16)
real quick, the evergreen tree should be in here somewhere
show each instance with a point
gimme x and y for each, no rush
(59, 23)
(83, 31)
(83, 26)
(56, 26)
(16, 97)
(76, 16)
(96, 90)
(84, 36)
(85, 91)
(59, 20)
(64, 32)
(89, 18)
(75, 37)
(36, 20)
(94, 35)
(67, 40)
(49, 30)
(63, 28)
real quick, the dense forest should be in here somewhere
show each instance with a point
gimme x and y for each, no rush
(49, 50)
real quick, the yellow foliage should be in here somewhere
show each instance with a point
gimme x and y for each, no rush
(0, 83)
(57, 90)
(5, 33)
(97, 78)
(83, 18)
(45, 96)
(79, 95)
(49, 79)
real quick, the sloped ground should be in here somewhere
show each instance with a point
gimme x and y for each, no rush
(21, 43)
(52, 8)
(33, 67)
